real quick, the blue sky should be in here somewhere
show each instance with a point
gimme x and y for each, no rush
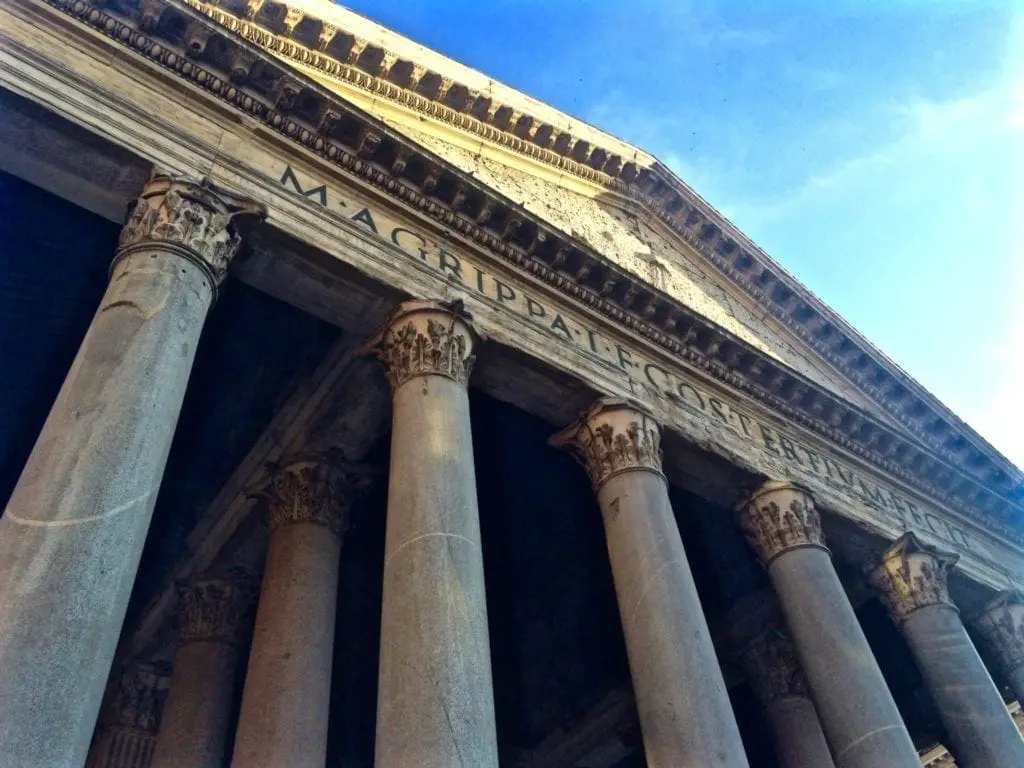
(875, 149)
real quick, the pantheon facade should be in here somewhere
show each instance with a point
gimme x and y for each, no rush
(359, 410)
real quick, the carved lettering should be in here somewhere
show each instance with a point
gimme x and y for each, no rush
(658, 382)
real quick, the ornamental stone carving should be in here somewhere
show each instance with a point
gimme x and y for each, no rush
(195, 218)
(770, 663)
(614, 436)
(425, 338)
(139, 697)
(912, 575)
(1001, 626)
(130, 720)
(216, 607)
(778, 517)
(315, 488)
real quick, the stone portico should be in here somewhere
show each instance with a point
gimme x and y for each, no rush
(386, 439)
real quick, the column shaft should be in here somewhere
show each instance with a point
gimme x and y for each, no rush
(286, 700)
(799, 739)
(981, 731)
(213, 617)
(862, 724)
(767, 655)
(912, 583)
(435, 704)
(72, 534)
(198, 711)
(685, 715)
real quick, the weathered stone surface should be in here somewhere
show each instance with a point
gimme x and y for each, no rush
(684, 709)
(862, 724)
(73, 530)
(435, 705)
(911, 581)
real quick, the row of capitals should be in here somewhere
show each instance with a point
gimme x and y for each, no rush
(437, 339)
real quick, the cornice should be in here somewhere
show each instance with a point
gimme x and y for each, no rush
(291, 32)
(195, 48)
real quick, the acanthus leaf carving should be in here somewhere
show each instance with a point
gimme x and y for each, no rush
(216, 607)
(912, 575)
(1001, 626)
(314, 488)
(427, 339)
(614, 436)
(196, 217)
(779, 517)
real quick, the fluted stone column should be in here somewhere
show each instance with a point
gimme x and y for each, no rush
(435, 705)
(214, 616)
(131, 717)
(73, 530)
(685, 715)
(1001, 627)
(769, 660)
(862, 724)
(286, 699)
(911, 583)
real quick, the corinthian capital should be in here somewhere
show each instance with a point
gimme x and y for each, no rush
(194, 218)
(215, 607)
(138, 699)
(427, 338)
(770, 663)
(316, 488)
(912, 575)
(1001, 626)
(614, 436)
(778, 517)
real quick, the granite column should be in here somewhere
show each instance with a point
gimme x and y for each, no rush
(769, 660)
(435, 705)
(1001, 626)
(862, 724)
(286, 698)
(685, 715)
(214, 616)
(72, 534)
(911, 581)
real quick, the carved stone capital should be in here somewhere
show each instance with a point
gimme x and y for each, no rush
(427, 338)
(216, 607)
(138, 698)
(614, 436)
(912, 575)
(194, 218)
(1001, 626)
(770, 663)
(778, 517)
(316, 488)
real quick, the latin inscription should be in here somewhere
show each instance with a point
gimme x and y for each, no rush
(646, 379)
